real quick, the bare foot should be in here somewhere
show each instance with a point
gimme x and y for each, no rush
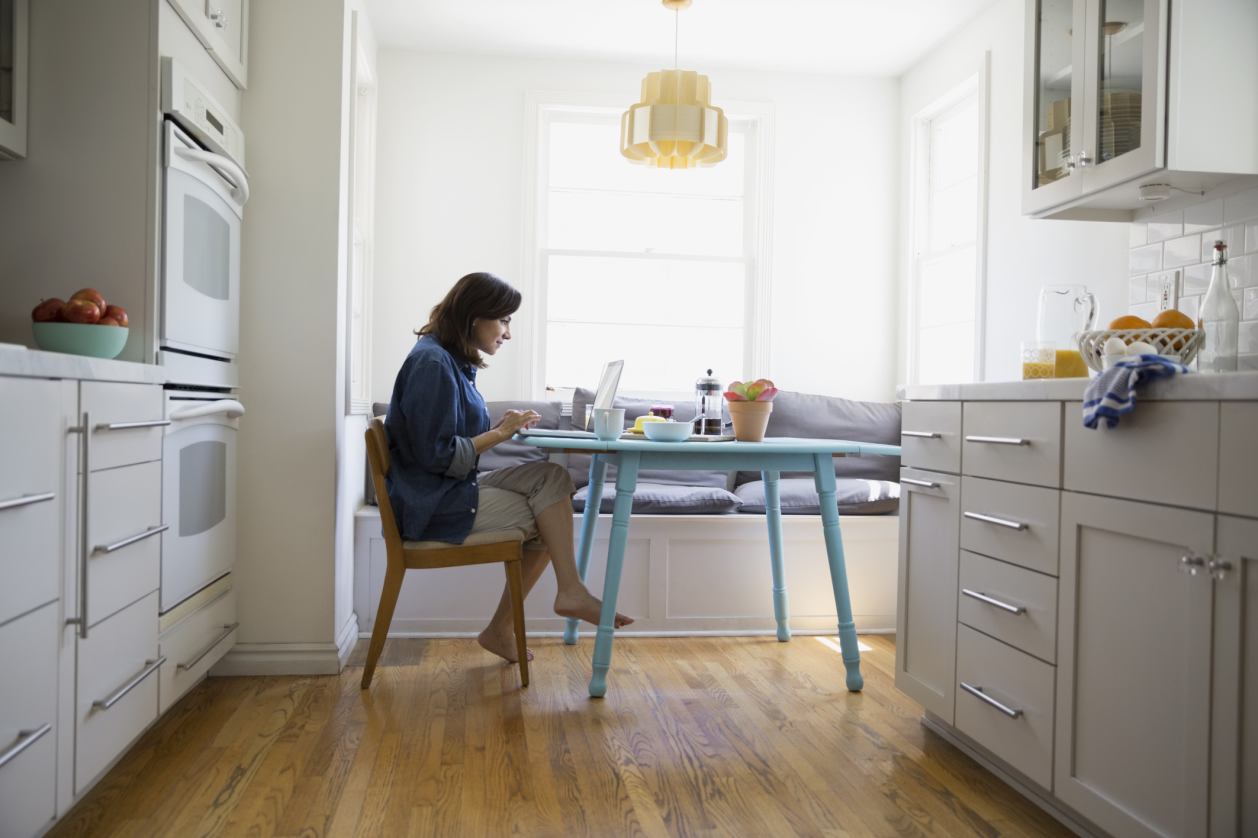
(502, 645)
(585, 606)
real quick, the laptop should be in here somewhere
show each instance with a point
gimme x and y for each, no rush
(603, 397)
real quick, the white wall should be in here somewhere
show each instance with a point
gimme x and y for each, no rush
(450, 173)
(1022, 254)
(292, 333)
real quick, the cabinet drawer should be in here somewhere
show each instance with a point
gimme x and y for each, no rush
(1164, 452)
(194, 645)
(930, 437)
(1019, 682)
(1238, 458)
(123, 503)
(1024, 613)
(1016, 441)
(28, 701)
(1017, 524)
(119, 653)
(123, 404)
(31, 497)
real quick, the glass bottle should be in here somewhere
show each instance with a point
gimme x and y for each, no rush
(1219, 318)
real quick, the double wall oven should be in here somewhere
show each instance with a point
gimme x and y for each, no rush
(204, 191)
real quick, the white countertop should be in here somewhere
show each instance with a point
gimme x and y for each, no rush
(34, 363)
(1233, 386)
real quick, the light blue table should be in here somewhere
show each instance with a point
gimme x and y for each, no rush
(770, 458)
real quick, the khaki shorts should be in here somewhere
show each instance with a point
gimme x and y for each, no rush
(512, 498)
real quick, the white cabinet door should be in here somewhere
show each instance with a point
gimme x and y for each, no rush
(223, 27)
(926, 617)
(1133, 683)
(1233, 737)
(28, 727)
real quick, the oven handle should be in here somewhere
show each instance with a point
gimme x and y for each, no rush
(225, 167)
(231, 407)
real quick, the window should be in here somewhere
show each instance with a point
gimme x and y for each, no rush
(945, 300)
(361, 184)
(657, 267)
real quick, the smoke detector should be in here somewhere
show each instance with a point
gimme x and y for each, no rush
(1155, 192)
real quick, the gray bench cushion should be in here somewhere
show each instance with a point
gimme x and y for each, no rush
(657, 499)
(513, 452)
(579, 464)
(799, 496)
(808, 416)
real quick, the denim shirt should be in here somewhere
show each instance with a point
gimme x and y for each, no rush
(435, 411)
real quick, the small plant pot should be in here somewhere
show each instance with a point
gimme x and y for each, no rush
(750, 419)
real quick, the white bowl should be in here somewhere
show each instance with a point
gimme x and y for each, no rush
(667, 431)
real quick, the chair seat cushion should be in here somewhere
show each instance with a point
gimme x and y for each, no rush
(665, 499)
(493, 537)
(799, 496)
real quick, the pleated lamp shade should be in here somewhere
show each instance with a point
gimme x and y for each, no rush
(675, 125)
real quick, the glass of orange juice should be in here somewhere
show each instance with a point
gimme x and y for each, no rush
(1039, 359)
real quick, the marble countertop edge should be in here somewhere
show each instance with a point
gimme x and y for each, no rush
(35, 363)
(1237, 386)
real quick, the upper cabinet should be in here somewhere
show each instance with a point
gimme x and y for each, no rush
(14, 42)
(222, 26)
(1124, 94)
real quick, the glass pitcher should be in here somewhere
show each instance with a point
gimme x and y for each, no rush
(1064, 312)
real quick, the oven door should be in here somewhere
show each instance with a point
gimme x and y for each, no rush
(201, 249)
(198, 496)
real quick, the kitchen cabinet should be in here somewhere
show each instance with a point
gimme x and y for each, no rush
(1124, 93)
(28, 723)
(1106, 638)
(223, 27)
(14, 64)
(1133, 688)
(926, 613)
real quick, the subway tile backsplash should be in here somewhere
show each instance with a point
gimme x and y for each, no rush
(1184, 241)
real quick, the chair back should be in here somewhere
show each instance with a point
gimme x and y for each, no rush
(381, 464)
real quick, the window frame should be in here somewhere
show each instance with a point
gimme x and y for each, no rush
(360, 220)
(542, 108)
(977, 84)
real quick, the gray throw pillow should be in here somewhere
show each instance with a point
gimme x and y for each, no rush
(799, 497)
(512, 452)
(684, 411)
(808, 416)
(656, 499)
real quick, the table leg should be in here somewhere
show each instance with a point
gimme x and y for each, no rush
(823, 474)
(593, 501)
(626, 482)
(773, 514)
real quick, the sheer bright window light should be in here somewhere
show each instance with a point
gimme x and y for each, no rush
(641, 263)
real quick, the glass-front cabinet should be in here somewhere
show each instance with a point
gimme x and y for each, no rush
(14, 29)
(1097, 76)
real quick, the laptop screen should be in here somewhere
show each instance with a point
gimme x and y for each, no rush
(607, 384)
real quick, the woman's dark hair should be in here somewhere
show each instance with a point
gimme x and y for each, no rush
(478, 295)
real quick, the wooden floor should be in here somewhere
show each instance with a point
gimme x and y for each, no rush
(697, 736)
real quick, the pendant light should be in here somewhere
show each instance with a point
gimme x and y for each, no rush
(675, 125)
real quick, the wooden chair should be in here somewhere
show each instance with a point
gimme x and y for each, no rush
(480, 548)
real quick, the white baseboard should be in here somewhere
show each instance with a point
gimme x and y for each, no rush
(345, 639)
(280, 659)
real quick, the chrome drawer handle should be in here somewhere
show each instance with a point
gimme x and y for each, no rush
(978, 691)
(118, 545)
(26, 500)
(922, 434)
(1012, 609)
(998, 440)
(126, 426)
(149, 668)
(25, 738)
(1000, 522)
(226, 631)
(925, 483)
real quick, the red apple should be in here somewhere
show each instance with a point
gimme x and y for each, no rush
(91, 295)
(48, 311)
(117, 313)
(80, 311)
(107, 321)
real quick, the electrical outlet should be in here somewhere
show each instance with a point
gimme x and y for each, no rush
(1168, 289)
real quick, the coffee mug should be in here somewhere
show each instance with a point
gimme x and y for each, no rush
(609, 422)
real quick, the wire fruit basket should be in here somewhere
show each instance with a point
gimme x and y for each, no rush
(1181, 343)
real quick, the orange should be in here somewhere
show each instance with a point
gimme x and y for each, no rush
(1173, 319)
(1130, 321)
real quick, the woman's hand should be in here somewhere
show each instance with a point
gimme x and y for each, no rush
(513, 420)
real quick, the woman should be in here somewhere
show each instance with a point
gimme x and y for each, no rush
(438, 426)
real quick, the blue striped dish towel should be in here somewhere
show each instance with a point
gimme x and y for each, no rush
(1113, 392)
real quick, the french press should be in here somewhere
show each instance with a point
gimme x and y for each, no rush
(709, 406)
